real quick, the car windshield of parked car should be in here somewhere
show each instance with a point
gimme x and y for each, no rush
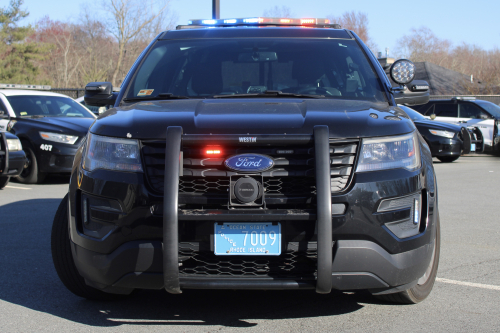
(414, 115)
(492, 108)
(47, 106)
(198, 68)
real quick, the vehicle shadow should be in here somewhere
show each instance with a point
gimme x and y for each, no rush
(28, 279)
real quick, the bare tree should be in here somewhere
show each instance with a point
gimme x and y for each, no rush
(276, 11)
(423, 45)
(63, 62)
(128, 19)
(357, 22)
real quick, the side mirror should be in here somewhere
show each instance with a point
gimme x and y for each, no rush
(100, 94)
(4, 115)
(416, 93)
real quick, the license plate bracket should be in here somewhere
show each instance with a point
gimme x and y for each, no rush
(247, 239)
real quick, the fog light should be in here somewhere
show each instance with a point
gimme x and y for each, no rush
(407, 227)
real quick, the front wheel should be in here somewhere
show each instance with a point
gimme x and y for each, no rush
(4, 181)
(447, 159)
(63, 258)
(30, 173)
(424, 285)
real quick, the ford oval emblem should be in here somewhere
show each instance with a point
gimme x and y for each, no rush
(249, 163)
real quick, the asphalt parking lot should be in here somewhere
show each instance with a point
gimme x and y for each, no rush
(466, 296)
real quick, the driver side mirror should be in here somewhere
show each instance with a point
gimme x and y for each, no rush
(4, 115)
(100, 94)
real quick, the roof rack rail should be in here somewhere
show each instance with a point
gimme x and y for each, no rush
(24, 86)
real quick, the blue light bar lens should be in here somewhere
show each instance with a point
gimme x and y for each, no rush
(232, 21)
(209, 22)
(251, 20)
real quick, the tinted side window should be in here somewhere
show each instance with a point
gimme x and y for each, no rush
(446, 110)
(469, 110)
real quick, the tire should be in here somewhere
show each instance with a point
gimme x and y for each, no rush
(63, 259)
(4, 181)
(447, 159)
(30, 173)
(424, 285)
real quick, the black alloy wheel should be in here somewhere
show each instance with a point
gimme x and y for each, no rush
(30, 173)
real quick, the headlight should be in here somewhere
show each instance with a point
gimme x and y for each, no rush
(445, 134)
(14, 145)
(390, 152)
(62, 138)
(112, 154)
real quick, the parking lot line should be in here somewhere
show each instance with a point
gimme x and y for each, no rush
(469, 284)
(19, 188)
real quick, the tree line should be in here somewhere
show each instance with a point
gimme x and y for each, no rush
(104, 44)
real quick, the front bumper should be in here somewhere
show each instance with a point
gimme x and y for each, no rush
(446, 147)
(357, 264)
(139, 246)
(59, 159)
(16, 163)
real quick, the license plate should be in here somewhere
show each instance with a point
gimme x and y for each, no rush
(472, 147)
(247, 239)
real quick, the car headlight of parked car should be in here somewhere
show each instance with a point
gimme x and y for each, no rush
(14, 145)
(390, 152)
(445, 134)
(61, 138)
(112, 154)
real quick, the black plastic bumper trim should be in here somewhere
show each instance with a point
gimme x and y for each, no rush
(324, 209)
(170, 210)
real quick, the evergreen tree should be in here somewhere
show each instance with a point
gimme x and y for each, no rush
(17, 53)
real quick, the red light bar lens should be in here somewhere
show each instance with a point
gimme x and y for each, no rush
(285, 20)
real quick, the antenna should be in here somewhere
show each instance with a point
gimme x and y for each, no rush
(215, 9)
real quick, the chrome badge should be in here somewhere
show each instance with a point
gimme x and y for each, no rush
(249, 163)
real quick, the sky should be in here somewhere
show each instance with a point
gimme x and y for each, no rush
(459, 21)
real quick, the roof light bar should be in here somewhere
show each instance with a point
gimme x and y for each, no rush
(24, 86)
(262, 21)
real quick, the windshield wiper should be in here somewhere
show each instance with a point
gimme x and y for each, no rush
(269, 93)
(161, 96)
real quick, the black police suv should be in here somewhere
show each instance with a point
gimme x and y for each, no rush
(12, 157)
(446, 141)
(483, 117)
(252, 154)
(50, 126)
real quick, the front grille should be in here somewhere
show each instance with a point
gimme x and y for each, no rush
(290, 264)
(293, 174)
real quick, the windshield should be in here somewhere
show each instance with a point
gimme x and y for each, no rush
(414, 115)
(333, 68)
(47, 106)
(492, 108)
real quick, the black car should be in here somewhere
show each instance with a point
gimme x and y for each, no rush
(12, 157)
(252, 154)
(480, 115)
(446, 141)
(50, 126)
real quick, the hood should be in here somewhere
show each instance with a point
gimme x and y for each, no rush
(67, 125)
(345, 118)
(440, 125)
